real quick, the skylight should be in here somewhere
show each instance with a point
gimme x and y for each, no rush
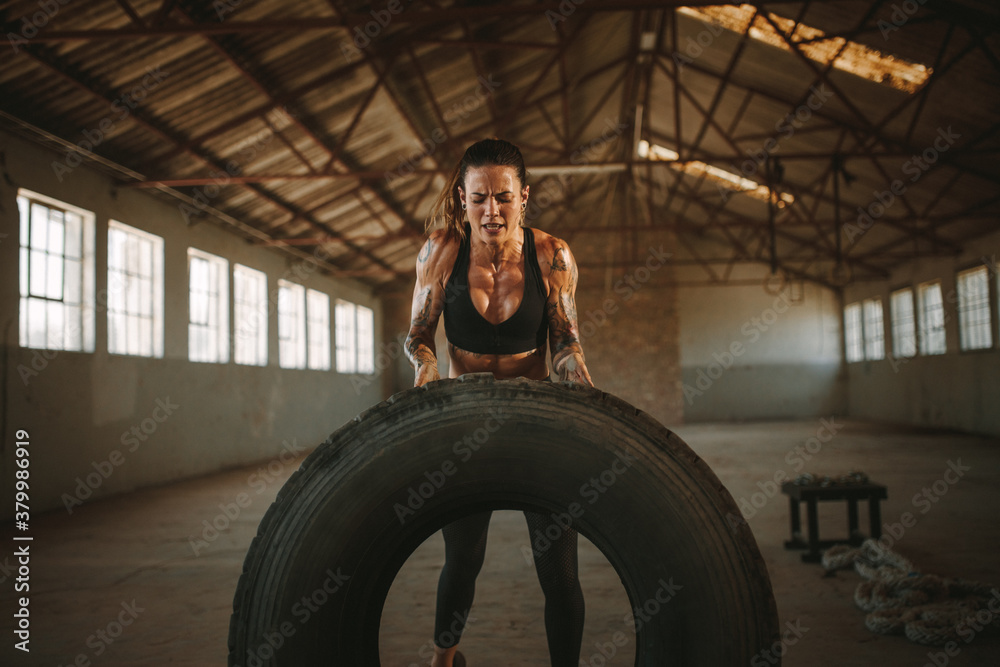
(727, 179)
(851, 57)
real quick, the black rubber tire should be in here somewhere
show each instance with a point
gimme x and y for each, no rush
(335, 537)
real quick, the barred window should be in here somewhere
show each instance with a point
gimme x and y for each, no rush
(904, 324)
(56, 309)
(975, 326)
(291, 325)
(250, 316)
(318, 329)
(931, 314)
(355, 338)
(208, 307)
(135, 291)
(853, 341)
(874, 329)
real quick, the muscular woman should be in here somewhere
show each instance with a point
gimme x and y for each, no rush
(507, 294)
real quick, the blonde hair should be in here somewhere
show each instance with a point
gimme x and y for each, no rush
(484, 153)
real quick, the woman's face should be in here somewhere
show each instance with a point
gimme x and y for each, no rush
(494, 198)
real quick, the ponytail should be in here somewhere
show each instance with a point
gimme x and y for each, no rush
(448, 207)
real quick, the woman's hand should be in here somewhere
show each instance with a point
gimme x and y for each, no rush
(426, 373)
(573, 368)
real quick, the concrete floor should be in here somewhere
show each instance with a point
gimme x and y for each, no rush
(139, 580)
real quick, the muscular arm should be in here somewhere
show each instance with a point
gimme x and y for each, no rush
(564, 334)
(428, 298)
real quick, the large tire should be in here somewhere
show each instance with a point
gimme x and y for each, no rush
(316, 576)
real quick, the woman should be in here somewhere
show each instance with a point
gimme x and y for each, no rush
(507, 293)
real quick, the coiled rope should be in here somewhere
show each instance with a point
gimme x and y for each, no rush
(926, 608)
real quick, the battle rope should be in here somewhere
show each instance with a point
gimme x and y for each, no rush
(928, 609)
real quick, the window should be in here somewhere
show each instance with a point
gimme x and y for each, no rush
(56, 310)
(853, 341)
(874, 329)
(291, 325)
(974, 325)
(366, 340)
(250, 316)
(318, 331)
(208, 307)
(135, 291)
(355, 338)
(346, 337)
(931, 313)
(904, 324)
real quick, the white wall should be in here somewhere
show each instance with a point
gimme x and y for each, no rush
(78, 407)
(958, 389)
(750, 354)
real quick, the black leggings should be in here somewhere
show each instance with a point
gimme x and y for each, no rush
(556, 566)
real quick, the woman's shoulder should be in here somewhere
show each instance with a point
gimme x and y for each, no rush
(438, 252)
(547, 245)
(552, 252)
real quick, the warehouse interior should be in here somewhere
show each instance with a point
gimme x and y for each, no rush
(784, 216)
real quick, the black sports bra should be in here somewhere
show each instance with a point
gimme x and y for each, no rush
(527, 329)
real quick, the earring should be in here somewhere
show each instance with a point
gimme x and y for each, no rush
(463, 206)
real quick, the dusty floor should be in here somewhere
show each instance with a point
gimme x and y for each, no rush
(141, 580)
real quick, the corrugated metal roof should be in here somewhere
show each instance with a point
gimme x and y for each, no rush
(314, 125)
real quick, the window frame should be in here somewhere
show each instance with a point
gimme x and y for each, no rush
(872, 341)
(358, 356)
(155, 292)
(923, 335)
(218, 332)
(245, 311)
(82, 328)
(297, 345)
(987, 302)
(317, 352)
(894, 323)
(854, 347)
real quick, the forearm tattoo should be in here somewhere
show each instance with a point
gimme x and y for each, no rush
(417, 349)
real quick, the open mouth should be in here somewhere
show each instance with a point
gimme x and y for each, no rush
(493, 226)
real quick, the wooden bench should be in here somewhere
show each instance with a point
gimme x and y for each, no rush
(811, 494)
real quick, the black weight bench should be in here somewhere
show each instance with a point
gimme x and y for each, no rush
(811, 494)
